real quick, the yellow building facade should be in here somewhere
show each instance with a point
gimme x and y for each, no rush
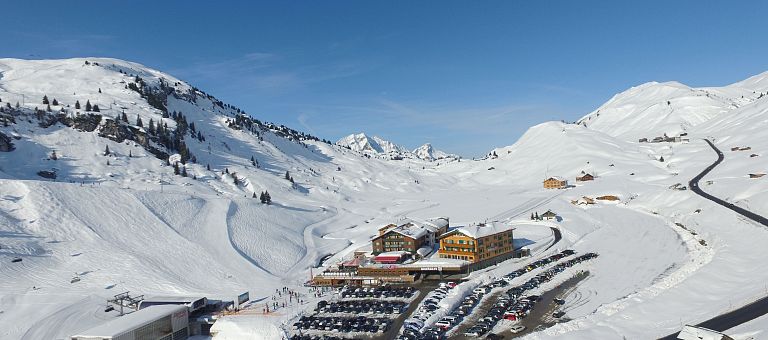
(476, 244)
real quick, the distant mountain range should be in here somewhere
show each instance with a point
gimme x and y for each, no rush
(375, 145)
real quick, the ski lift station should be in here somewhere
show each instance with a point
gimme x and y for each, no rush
(166, 322)
(193, 303)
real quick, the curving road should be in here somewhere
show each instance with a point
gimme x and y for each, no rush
(745, 313)
(694, 185)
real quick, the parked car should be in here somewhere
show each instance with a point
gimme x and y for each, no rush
(517, 329)
(475, 331)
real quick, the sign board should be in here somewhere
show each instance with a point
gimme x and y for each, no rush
(432, 268)
(242, 298)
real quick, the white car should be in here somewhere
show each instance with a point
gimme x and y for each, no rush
(517, 329)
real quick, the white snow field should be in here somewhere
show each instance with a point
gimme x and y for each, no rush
(125, 222)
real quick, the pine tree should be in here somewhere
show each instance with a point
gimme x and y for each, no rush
(537, 216)
(45, 99)
(226, 170)
(88, 106)
(532, 216)
(254, 195)
(261, 198)
(107, 162)
(661, 159)
(125, 117)
(106, 151)
(96, 108)
(55, 102)
(208, 166)
(176, 168)
(138, 121)
(267, 198)
(99, 89)
(184, 171)
(48, 108)
(77, 104)
(130, 154)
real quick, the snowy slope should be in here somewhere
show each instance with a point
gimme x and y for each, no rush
(125, 221)
(653, 109)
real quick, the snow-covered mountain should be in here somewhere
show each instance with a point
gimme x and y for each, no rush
(654, 109)
(427, 152)
(127, 219)
(360, 142)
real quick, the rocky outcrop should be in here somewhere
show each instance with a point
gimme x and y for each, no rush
(6, 145)
(117, 132)
(86, 122)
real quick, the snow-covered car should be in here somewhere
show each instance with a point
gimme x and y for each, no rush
(517, 329)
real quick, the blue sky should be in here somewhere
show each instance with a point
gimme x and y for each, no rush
(466, 76)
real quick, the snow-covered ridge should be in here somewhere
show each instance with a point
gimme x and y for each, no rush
(653, 109)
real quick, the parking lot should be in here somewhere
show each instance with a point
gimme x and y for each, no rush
(383, 292)
(362, 307)
(513, 305)
(355, 312)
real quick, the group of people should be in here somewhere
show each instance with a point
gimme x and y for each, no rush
(275, 304)
(320, 291)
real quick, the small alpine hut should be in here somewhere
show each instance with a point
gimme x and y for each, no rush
(549, 215)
